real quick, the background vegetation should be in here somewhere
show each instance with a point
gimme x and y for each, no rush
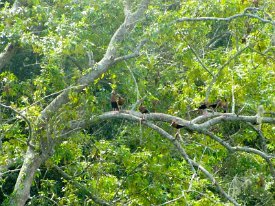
(61, 144)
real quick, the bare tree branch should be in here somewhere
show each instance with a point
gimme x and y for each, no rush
(190, 161)
(127, 7)
(135, 81)
(201, 128)
(115, 115)
(104, 64)
(232, 92)
(227, 19)
(33, 159)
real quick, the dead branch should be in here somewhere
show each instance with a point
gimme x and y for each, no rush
(227, 19)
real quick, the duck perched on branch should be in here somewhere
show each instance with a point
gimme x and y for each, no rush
(120, 102)
(203, 107)
(222, 104)
(143, 109)
(176, 125)
(114, 103)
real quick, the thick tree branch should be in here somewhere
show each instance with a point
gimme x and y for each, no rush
(32, 159)
(201, 128)
(104, 64)
(192, 163)
(218, 118)
(24, 181)
(191, 125)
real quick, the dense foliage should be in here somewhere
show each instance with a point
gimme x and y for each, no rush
(184, 58)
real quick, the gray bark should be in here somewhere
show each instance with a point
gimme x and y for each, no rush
(33, 160)
(21, 192)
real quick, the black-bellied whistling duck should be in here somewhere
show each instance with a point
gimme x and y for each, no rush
(114, 103)
(120, 102)
(143, 110)
(177, 126)
(223, 104)
(203, 106)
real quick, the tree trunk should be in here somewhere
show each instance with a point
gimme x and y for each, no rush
(21, 193)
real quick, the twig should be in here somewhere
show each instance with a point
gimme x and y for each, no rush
(135, 81)
(133, 55)
(232, 92)
(171, 201)
(9, 171)
(202, 64)
(243, 149)
(137, 103)
(182, 196)
(26, 119)
(191, 162)
(221, 69)
(227, 19)
(260, 134)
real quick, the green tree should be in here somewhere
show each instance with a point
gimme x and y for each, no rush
(206, 66)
